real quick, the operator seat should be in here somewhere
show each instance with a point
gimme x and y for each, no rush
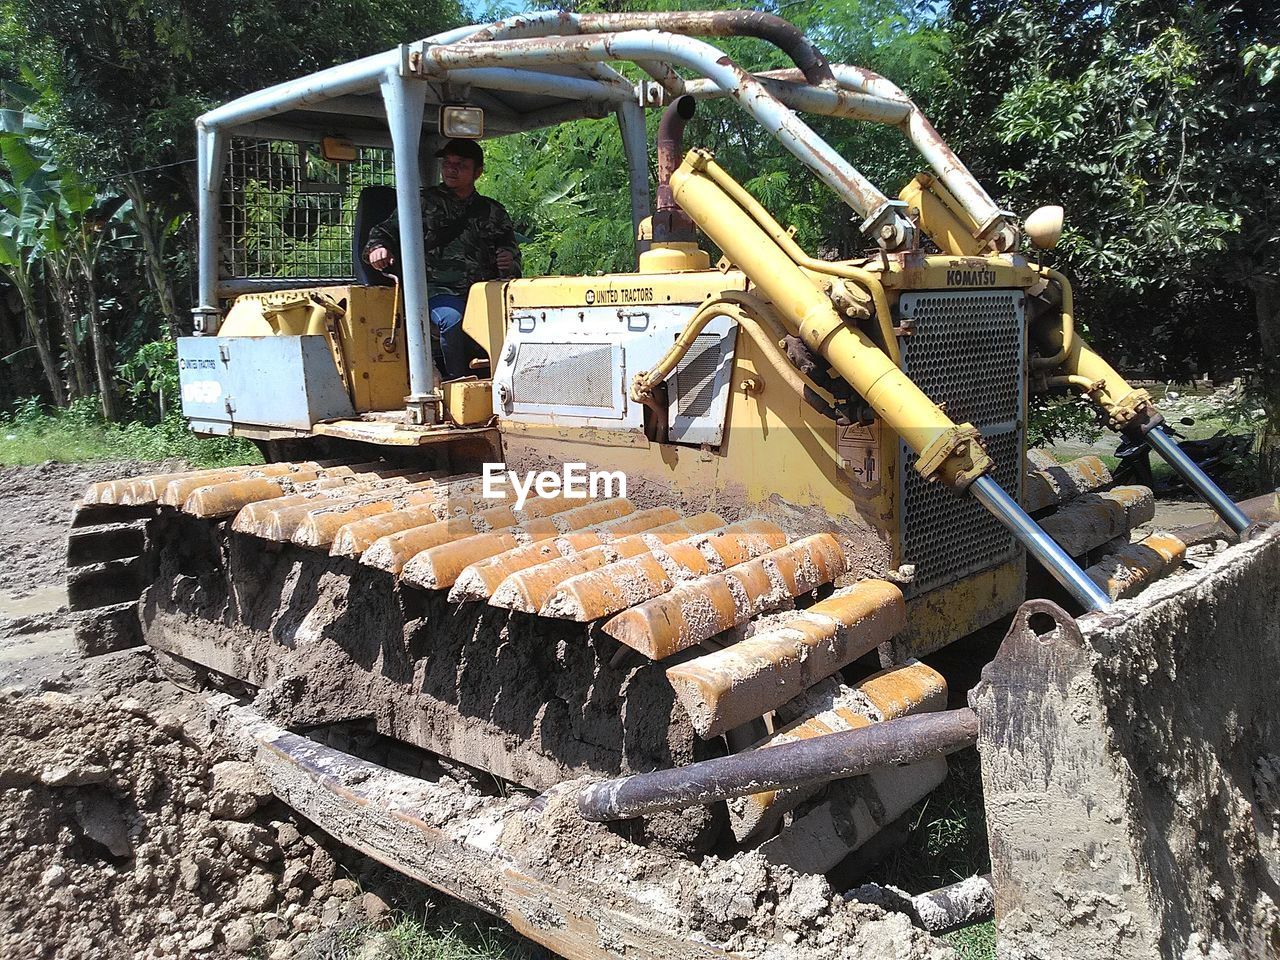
(373, 205)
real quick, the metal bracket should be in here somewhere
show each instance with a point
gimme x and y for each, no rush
(890, 226)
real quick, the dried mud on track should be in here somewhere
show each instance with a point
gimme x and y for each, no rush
(124, 832)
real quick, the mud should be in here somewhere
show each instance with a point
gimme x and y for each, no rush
(590, 891)
(125, 831)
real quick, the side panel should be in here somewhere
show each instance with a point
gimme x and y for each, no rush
(282, 382)
(373, 348)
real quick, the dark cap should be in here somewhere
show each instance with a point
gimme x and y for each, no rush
(466, 149)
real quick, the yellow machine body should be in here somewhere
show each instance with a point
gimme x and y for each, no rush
(358, 322)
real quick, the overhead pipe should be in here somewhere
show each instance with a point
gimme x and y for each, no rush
(884, 219)
(822, 101)
(817, 760)
(809, 60)
(635, 144)
(994, 225)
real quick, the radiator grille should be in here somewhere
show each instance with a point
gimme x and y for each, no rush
(968, 352)
(564, 375)
(695, 376)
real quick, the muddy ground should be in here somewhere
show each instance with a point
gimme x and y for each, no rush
(124, 831)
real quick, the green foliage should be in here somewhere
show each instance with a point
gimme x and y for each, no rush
(151, 378)
(1061, 418)
(77, 433)
(1152, 123)
(948, 839)
(566, 190)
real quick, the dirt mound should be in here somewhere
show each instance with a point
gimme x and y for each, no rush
(121, 838)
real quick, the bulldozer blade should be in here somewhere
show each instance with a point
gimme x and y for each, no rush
(1130, 768)
(616, 586)
(576, 888)
(529, 589)
(699, 609)
(729, 687)
(481, 579)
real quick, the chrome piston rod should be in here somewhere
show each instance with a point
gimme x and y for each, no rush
(1190, 471)
(1039, 544)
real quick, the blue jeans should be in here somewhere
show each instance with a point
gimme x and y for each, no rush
(454, 352)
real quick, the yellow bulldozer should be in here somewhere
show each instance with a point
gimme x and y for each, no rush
(639, 636)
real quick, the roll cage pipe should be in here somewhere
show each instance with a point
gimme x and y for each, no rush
(521, 55)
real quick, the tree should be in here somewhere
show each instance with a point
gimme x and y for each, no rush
(121, 85)
(23, 201)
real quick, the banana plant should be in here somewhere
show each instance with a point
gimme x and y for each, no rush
(54, 221)
(24, 199)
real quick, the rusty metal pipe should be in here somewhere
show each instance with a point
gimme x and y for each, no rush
(722, 23)
(670, 223)
(813, 65)
(671, 146)
(885, 219)
(833, 756)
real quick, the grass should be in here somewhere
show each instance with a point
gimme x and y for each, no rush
(974, 943)
(948, 839)
(78, 434)
(439, 929)
(947, 843)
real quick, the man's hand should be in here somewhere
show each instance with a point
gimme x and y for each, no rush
(506, 261)
(380, 258)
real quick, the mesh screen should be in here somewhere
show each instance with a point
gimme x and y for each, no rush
(966, 351)
(288, 212)
(695, 376)
(572, 375)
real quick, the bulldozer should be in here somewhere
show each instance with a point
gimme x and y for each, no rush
(666, 619)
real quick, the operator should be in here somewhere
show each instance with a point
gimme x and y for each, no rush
(468, 238)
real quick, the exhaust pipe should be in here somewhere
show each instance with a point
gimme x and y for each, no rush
(670, 223)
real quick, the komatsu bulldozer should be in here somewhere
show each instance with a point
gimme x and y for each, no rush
(642, 635)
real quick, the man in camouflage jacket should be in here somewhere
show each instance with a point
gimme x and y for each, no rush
(468, 237)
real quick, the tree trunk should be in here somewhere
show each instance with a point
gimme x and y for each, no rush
(144, 223)
(65, 296)
(40, 337)
(101, 348)
(1266, 301)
